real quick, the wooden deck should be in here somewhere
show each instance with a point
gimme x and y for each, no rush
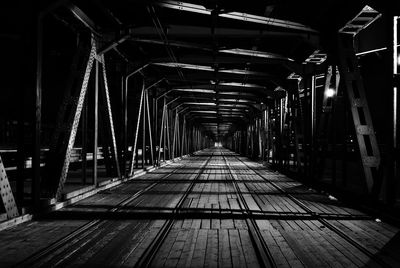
(214, 209)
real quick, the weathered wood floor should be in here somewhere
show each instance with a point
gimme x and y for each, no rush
(213, 209)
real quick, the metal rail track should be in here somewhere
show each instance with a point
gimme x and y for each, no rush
(320, 218)
(148, 255)
(260, 246)
(85, 229)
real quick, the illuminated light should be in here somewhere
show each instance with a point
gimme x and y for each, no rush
(217, 144)
(330, 92)
(331, 197)
(139, 152)
(378, 220)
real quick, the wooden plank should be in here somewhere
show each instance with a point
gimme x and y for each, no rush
(103, 251)
(286, 250)
(212, 249)
(297, 245)
(248, 249)
(177, 249)
(148, 235)
(199, 254)
(276, 252)
(188, 248)
(237, 253)
(224, 250)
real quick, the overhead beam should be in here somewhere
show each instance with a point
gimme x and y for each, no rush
(142, 33)
(222, 59)
(207, 68)
(84, 18)
(244, 17)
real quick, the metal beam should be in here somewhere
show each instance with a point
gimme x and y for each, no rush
(149, 34)
(113, 44)
(244, 17)
(84, 18)
(211, 69)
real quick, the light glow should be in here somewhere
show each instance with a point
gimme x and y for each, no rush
(330, 92)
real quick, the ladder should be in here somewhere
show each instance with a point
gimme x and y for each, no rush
(361, 21)
(368, 146)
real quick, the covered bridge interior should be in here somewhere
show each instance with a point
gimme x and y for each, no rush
(176, 128)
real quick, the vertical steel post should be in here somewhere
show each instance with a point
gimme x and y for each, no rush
(144, 128)
(164, 129)
(183, 136)
(125, 128)
(110, 118)
(38, 115)
(392, 183)
(396, 56)
(157, 136)
(395, 72)
(84, 140)
(175, 134)
(136, 135)
(154, 120)
(313, 126)
(21, 148)
(167, 114)
(161, 137)
(96, 122)
(149, 126)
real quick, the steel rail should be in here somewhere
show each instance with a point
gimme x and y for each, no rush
(261, 247)
(86, 228)
(148, 255)
(320, 218)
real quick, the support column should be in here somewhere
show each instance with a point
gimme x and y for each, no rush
(144, 128)
(38, 115)
(313, 119)
(96, 122)
(393, 161)
(84, 140)
(124, 129)
(396, 101)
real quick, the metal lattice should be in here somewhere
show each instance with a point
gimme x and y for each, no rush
(75, 122)
(7, 194)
